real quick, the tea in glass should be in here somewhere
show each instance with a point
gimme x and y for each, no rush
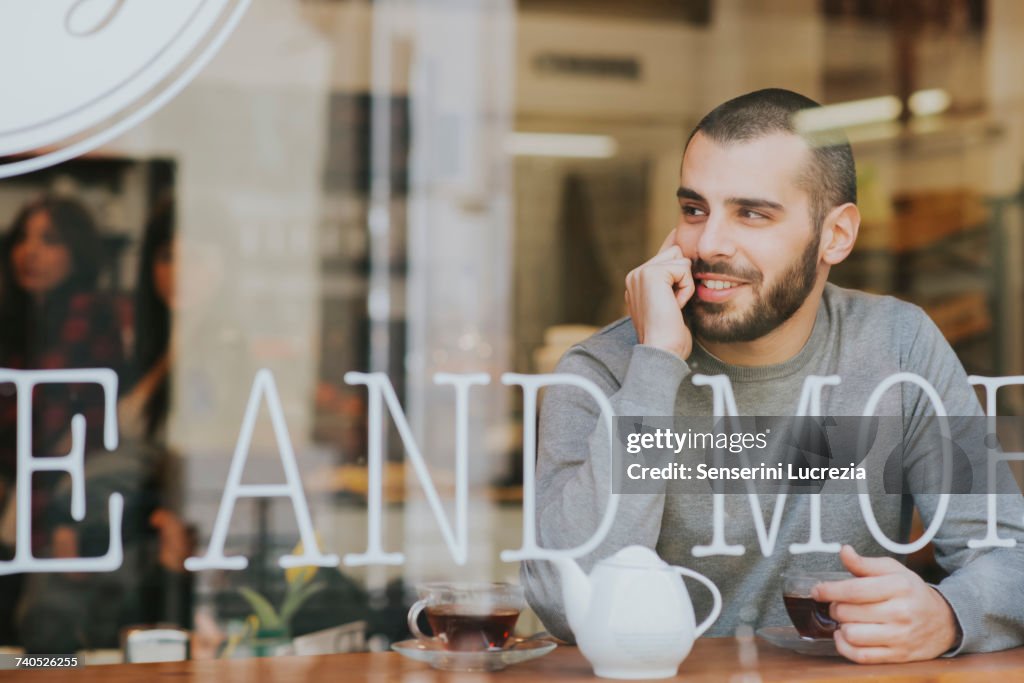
(810, 617)
(469, 616)
(461, 627)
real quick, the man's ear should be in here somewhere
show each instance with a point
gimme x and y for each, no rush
(839, 233)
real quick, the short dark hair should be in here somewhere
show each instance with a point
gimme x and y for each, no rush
(830, 179)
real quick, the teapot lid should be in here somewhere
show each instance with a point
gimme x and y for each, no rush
(636, 557)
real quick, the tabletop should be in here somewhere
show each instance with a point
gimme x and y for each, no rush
(712, 660)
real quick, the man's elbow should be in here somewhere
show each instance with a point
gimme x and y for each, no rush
(544, 595)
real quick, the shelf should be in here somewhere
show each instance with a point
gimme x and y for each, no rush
(962, 317)
(923, 220)
(352, 481)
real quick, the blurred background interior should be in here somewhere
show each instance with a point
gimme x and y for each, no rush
(460, 186)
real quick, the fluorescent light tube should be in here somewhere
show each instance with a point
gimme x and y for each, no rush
(561, 145)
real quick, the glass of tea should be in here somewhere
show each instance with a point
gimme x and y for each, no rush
(810, 617)
(468, 616)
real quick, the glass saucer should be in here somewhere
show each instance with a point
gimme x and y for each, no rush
(432, 652)
(787, 638)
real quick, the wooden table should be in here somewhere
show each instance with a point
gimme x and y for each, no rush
(712, 660)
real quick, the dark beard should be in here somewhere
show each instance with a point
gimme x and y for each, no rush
(710, 321)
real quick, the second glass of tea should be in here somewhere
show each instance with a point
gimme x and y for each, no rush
(810, 617)
(468, 616)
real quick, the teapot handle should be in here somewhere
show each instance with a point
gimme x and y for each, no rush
(716, 608)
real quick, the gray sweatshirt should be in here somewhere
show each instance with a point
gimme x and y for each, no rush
(860, 337)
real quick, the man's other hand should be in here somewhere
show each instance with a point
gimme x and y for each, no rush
(888, 613)
(655, 295)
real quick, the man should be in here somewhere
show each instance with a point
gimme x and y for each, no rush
(739, 289)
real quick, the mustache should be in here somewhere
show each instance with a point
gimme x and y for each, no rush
(725, 268)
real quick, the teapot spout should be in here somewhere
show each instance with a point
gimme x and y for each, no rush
(575, 591)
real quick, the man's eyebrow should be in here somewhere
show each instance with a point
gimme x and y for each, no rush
(746, 202)
(755, 203)
(687, 193)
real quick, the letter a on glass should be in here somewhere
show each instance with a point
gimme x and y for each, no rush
(234, 489)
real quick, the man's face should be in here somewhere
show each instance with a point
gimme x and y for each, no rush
(745, 224)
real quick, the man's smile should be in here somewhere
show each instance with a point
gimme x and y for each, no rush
(714, 288)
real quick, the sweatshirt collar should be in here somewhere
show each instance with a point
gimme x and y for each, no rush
(704, 362)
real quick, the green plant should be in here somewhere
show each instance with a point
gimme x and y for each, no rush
(267, 623)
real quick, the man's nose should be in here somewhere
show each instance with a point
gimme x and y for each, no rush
(716, 239)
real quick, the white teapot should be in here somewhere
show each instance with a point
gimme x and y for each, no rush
(632, 617)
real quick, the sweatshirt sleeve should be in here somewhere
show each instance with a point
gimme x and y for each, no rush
(574, 477)
(985, 586)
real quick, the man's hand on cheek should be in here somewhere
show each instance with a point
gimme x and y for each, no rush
(655, 295)
(888, 613)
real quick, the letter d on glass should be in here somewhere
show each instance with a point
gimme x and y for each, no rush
(530, 384)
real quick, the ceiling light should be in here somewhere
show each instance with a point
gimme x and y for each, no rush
(561, 145)
(846, 114)
(929, 102)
